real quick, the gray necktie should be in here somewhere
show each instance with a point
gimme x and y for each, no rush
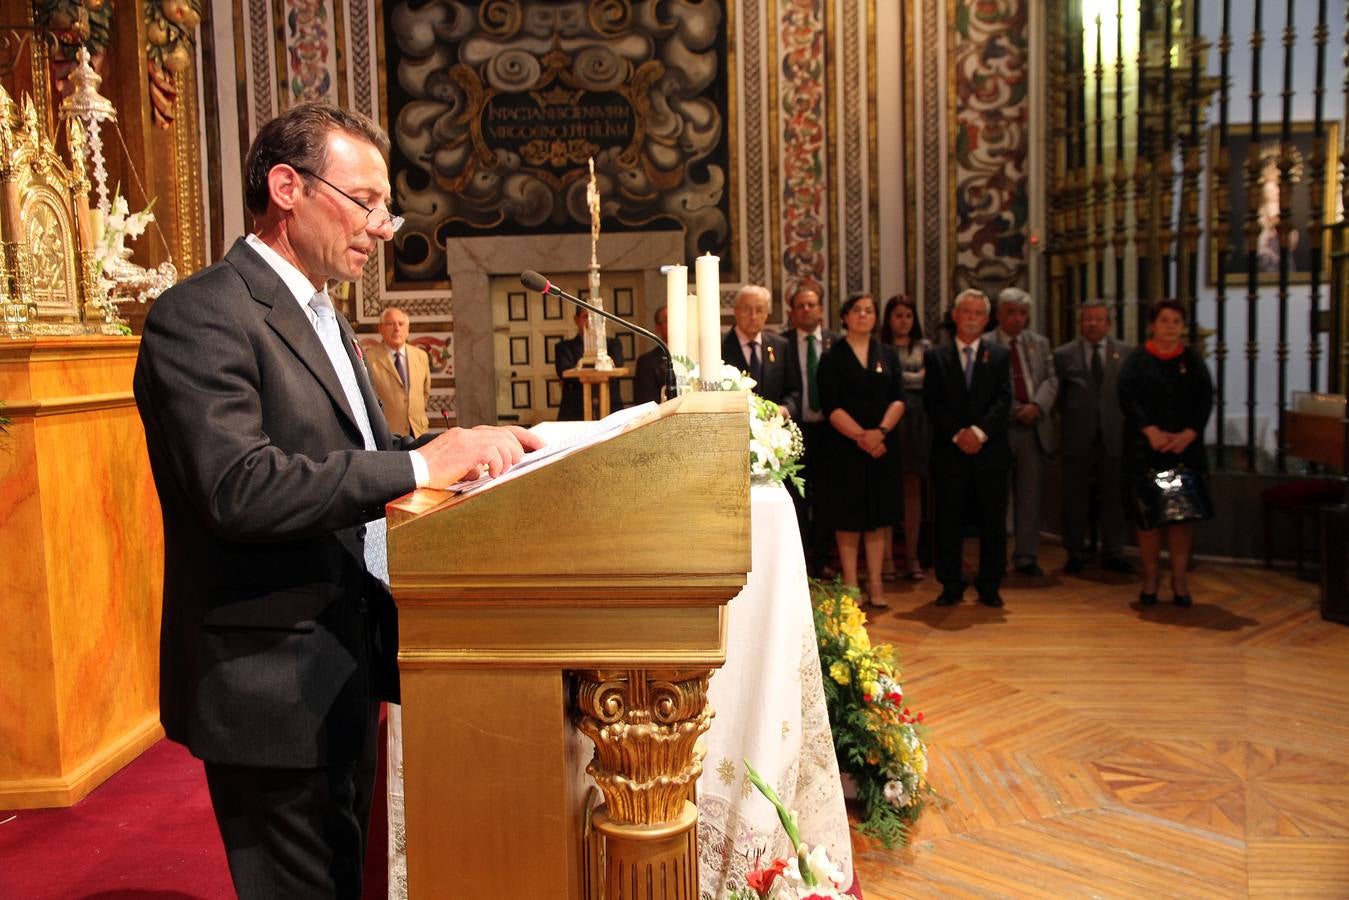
(402, 369)
(969, 365)
(330, 333)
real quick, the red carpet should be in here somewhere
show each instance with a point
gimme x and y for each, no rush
(147, 833)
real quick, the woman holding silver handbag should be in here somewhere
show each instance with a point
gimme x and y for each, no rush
(1166, 394)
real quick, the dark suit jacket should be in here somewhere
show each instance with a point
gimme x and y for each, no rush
(781, 382)
(275, 639)
(951, 406)
(1082, 409)
(827, 339)
(567, 355)
(651, 376)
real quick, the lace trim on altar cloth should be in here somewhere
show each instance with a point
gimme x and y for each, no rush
(730, 846)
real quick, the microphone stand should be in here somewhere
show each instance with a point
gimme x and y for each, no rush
(548, 287)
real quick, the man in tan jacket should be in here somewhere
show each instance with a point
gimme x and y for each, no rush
(401, 374)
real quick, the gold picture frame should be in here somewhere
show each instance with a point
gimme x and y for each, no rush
(1231, 224)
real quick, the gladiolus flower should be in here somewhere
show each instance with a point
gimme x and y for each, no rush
(761, 881)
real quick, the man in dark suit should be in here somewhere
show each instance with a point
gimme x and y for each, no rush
(568, 356)
(761, 355)
(967, 393)
(653, 367)
(1091, 435)
(807, 340)
(273, 464)
(1030, 430)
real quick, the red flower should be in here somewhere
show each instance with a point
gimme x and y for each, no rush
(895, 697)
(866, 698)
(920, 717)
(760, 881)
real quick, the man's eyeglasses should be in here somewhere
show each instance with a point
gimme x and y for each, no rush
(380, 218)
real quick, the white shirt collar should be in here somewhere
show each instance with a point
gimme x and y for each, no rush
(818, 333)
(291, 277)
(961, 345)
(745, 339)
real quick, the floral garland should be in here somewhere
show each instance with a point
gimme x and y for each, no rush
(879, 742)
(775, 443)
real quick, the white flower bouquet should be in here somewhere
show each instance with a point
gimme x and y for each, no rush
(775, 443)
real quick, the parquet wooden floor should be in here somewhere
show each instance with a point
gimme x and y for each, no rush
(1084, 746)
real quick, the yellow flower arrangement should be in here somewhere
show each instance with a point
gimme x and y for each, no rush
(878, 741)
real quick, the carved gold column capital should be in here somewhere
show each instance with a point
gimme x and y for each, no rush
(645, 726)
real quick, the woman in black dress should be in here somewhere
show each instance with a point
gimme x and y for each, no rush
(901, 329)
(862, 396)
(1166, 394)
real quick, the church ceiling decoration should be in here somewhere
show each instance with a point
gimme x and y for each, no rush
(991, 143)
(495, 108)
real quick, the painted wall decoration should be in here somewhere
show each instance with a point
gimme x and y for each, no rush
(309, 42)
(991, 142)
(805, 186)
(496, 106)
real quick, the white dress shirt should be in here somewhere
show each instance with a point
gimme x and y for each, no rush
(808, 414)
(303, 290)
(974, 360)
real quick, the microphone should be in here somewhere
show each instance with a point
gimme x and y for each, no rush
(535, 282)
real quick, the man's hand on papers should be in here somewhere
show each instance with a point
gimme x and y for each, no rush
(472, 452)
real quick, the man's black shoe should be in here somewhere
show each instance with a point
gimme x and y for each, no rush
(993, 600)
(1074, 565)
(1030, 569)
(1117, 564)
(948, 598)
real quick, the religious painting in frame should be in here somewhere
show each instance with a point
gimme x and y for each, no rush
(1231, 227)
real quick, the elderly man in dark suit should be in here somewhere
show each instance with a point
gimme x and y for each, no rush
(273, 464)
(1091, 429)
(807, 340)
(762, 355)
(967, 394)
(1030, 431)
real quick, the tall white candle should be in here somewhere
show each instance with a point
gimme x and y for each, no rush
(677, 310)
(691, 341)
(708, 271)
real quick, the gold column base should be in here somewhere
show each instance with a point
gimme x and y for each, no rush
(643, 861)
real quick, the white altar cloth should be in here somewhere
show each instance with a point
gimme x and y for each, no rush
(770, 710)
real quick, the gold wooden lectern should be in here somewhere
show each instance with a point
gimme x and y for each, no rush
(586, 595)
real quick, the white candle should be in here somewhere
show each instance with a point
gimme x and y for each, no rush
(708, 271)
(677, 310)
(691, 342)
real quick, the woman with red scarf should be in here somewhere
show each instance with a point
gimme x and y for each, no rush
(1167, 395)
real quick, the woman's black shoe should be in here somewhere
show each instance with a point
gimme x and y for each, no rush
(1183, 599)
(1147, 599)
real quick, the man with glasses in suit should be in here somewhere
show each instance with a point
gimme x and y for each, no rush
(273, 465)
